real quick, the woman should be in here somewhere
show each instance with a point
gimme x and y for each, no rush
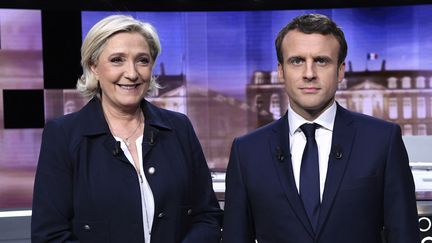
(121, 169)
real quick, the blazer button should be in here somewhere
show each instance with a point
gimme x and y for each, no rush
(161, 215)
(151, 170)
(189, 212)
(87, 227)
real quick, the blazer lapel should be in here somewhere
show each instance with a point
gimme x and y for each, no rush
(342, 141)
(96, 126)
(281, 156)
(114, 149)
(155, 122)
(149, 140)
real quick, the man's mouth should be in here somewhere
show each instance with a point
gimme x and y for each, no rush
(310, 89)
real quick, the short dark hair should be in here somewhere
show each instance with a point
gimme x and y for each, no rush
(310, 24)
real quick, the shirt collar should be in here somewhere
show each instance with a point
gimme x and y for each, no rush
(325, 120)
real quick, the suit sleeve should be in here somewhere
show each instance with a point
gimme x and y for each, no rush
(238, 221)
(400, 210)
(52, 196)
(206, 214)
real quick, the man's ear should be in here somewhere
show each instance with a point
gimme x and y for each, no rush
(341, 72)
(280, 71)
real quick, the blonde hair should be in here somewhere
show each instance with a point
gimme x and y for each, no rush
(95, 42)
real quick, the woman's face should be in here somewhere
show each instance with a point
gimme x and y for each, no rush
(124, 70)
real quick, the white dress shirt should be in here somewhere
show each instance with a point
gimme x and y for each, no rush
(147, 200)
(323, 137)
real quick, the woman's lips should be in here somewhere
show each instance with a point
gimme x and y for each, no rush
(129, 86)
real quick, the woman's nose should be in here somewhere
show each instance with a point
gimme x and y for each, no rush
(131, 72)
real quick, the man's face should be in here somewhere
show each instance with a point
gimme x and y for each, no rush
(310, 71)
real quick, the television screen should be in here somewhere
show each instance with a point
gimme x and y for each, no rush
(21, 82)
(219, 68)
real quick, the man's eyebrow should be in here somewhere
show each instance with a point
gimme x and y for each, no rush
(296, 57)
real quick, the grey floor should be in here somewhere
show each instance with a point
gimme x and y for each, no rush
(15, 230)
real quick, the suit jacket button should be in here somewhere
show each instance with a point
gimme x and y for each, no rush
(87, 227)
(189, 212)
(151, 170)
(161, 215)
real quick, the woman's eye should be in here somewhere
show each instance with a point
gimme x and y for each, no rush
(116, 59)
(144, 60)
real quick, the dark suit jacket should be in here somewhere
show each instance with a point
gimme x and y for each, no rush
(86, 193)
(369, 187)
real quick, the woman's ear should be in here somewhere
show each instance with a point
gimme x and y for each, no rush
(94, 70)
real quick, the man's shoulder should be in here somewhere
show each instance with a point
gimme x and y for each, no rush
(363, 121)
(260, 133)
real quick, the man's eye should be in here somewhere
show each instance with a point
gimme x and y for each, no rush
(322, 61)
(296, 61)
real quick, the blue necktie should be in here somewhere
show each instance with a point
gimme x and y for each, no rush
(309, 175)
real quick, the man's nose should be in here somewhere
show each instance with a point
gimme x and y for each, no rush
(309, 71)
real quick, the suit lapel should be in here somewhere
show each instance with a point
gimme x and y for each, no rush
(281, 156)
(342, 141)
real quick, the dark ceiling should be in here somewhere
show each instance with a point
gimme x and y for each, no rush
(197, 5)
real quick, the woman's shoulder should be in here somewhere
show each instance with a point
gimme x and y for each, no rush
(173, 117)
(63, 120)
(76, 122)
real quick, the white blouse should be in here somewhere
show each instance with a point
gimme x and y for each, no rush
(147, 200)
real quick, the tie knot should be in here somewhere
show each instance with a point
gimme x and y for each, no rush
(309, 129)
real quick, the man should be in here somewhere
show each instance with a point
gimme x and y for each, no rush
(349, 182)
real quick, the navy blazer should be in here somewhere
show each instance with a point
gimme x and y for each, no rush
(369, 191)
(85, 191)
